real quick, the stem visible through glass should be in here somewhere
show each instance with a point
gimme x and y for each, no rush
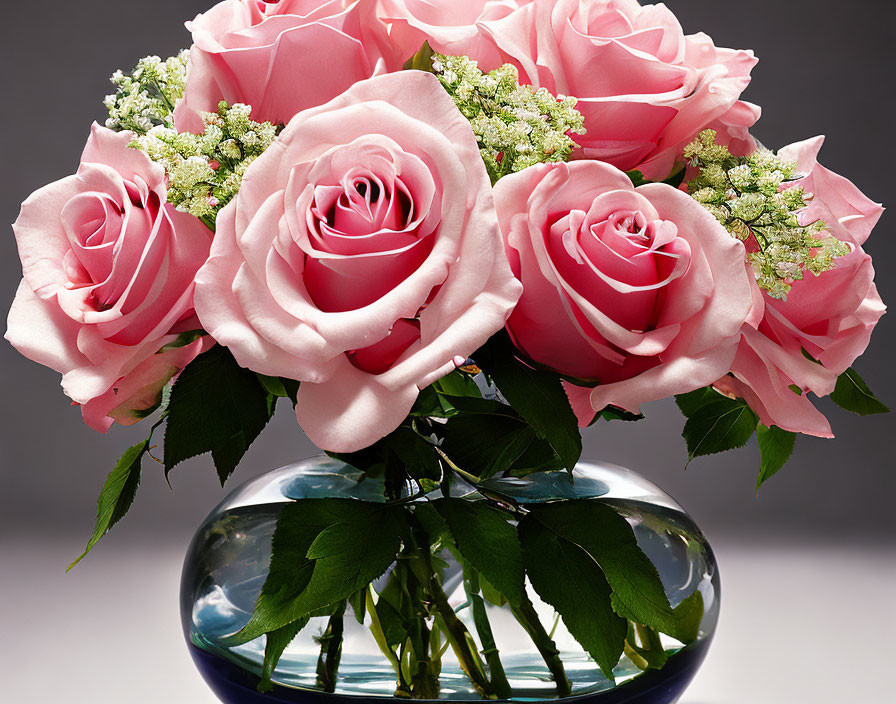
(376, 629)
(528, 618)
(418, 661)
(331, 650)
(489, 648)
(458, 636)
(424, 682)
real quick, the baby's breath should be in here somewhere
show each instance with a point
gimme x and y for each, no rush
(146, 96)
(205, 170)
(516, 126)
(755, 199)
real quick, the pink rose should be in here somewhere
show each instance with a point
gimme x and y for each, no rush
(136, 395)
(362, 257)
(451, 27)
(830, 316)
(280, 57)
(639, 291)
(645, 89)
(108, 275)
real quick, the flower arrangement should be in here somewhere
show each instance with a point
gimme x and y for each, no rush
(448, 238)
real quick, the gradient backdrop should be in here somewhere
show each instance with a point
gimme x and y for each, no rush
(804, 565)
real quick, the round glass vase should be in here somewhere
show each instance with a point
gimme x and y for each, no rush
(230, 556)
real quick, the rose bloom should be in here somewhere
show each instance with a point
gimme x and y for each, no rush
(637, 292)
(108, 270)
(280, 57)
(452, 28)
(644, 87)
(830, 316)
(362, 257)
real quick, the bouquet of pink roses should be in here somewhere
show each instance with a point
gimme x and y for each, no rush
(448, 236)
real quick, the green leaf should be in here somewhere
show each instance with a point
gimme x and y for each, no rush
(694, 401)
(638, 592)
(422, 60)
(358, 602)
(537, 396)
(488, 542)
(118, 494)
(419, 457)
(280, 387)
(433, 402)
(276, 642)
(183, 340)
(392, 602)
(395, 475)
(485, 445)
(611, 413)
(298, 525)
(689, 615)
(292, 390)
(719, 425)
(852, 394)
(637, 178)
(428, 404)
(538, 457)
(482, 407)
(432, 522)
(491, 594)
(568, 579)
(218, 407)
(369, 460)
(273, 385)
(810, 357)
(676, 179)
(650, 655)
(776, 446)
(324, 551)
(457, 383)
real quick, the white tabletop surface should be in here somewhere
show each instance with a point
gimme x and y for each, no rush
(800, 624)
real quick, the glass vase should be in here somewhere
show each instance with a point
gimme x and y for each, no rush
(341, 656)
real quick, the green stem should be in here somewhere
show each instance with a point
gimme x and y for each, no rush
(331, 650)
(650, 639)
(554, 625)
(461, 641)
(464, 648)
(423, 684)
(637, 659)
(462, 473)
(527, 616)
(404, 657)
(499, 501)
(489, 648)
(376, 629)
(437, 650)
(644, 647)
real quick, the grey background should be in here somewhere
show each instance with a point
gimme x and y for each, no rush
(826, 68)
